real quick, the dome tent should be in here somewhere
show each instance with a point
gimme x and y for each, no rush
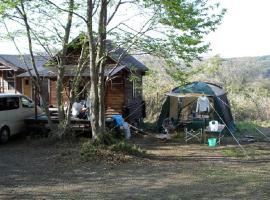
(181, 101)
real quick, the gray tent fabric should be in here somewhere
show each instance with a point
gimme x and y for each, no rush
(190, 93)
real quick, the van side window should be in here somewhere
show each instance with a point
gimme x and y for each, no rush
(26, 103)
(12, 103)
(3, 104)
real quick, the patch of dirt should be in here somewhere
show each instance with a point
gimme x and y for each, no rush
(36, 169)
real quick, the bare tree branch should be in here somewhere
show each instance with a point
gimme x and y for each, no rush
(65, 10)
(115, 11)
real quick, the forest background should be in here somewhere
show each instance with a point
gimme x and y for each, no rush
(245, 79)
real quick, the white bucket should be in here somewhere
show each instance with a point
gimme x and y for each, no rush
(213, 125)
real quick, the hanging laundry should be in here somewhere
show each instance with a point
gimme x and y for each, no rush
(202, 104)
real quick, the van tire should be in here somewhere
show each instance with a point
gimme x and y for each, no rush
(4, 135)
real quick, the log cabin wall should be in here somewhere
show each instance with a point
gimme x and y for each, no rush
(45, 88)
(19, 85)
(122, 96)
(115, 97)
(9, 82)
(52, 93)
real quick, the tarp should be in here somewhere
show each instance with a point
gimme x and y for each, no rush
(187, 97)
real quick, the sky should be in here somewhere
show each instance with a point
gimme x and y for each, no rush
(244, 31)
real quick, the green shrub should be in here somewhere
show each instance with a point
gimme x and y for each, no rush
(130, 149)
(109, 148)
(89, 151)
(107, 139)
(246, 126)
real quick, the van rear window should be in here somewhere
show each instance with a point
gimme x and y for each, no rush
(9, 103)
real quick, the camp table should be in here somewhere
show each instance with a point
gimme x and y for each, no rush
(218, 133)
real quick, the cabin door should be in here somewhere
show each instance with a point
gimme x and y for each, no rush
(27, 89)
(114, 99)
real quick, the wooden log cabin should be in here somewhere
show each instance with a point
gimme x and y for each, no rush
(13, 65)
(123, 90)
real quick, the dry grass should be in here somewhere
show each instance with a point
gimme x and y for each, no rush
(172, 170)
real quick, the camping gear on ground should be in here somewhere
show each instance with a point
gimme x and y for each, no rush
(163, 137)
(126, 130)
(216, 131)
(247, 139)
(76, 109)
(212, 142)
(181, 102)
(213, 125)
(167, 125)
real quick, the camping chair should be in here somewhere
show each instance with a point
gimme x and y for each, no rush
(194, 130)
(168, 125)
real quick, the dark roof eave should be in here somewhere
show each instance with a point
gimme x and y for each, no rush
(10, 65)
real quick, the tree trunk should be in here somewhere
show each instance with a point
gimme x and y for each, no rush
(101, 96)
(101, 60)
(36, 81)
(63, 122)
(93, 93)
(94, 109)
(59, 93)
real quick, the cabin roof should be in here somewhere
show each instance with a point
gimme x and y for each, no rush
(69, 71)
(22, 62)
(126, 59)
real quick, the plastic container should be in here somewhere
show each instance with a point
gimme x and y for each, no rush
(213, 125)
(212, 142)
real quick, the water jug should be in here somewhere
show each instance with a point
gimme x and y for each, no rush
(213, 125)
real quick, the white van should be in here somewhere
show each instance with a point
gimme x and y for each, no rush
(14, 108)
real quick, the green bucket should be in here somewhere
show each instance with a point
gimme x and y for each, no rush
(212, 142)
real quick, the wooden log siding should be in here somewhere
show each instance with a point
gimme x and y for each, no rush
(52, 93)
(115, 97)
(19, 84)
(119, 97)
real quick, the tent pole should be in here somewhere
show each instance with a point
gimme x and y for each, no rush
(255, 127)
(229, 130)
(262, 133)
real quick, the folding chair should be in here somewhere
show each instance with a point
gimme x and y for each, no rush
(167, 125)
(194, 130)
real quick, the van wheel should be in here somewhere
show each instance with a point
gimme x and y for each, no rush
(4, 135)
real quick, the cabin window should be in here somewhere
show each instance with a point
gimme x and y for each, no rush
(10, 74)
(26, 82)
(134, 89)
(117, 80)
(10, 85)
